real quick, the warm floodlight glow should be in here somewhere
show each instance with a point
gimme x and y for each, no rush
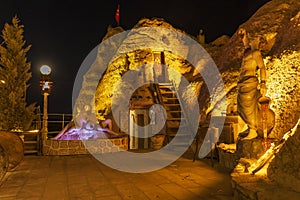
(45, 70)
(33, 131)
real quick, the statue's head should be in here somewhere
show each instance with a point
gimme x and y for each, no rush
(258, 43)
(243, 35)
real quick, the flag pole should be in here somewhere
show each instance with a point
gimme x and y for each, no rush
(117, 15)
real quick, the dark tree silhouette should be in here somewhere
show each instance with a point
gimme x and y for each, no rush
(14, 75)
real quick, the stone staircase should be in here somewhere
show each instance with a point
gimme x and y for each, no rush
(175, 115)
(31, 143)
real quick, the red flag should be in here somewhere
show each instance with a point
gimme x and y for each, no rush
(117, 16)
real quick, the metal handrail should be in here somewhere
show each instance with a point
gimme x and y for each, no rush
(58, 119)
(161, 102)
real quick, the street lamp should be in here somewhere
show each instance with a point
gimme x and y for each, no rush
(46, 84)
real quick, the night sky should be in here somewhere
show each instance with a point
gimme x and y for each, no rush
(63, 32)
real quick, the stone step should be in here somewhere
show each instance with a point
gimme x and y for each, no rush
(175, 119)
(166, 92)
(170, 133)
(169, 99)
(30, 142)
(175, 128)
(165, 84)
(29, 148)
(172, 104)
(175, 111)
(30, 151)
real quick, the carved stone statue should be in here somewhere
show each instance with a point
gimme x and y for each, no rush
(248, 93)
(201, 37)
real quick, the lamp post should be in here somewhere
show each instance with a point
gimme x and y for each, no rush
(46, 85)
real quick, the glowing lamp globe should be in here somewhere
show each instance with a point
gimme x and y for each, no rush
(45, 70)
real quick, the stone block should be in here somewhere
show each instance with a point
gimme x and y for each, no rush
(90, 143)
(250, 148)
(82, 151)
(227, 159)
(102, 143)
(124, 141)
(125, 147)
(245, 192)
(99, 151)
(117, 142)
(82, 144)
(278, 194)
(106, 150)
(54, 144)
(74, 144)
(114, 149)
(47, 142)
(63, 144)
(73, 151)
(284, 168)
(227, 135)
(53, 152)
(63, 152)
(93, 150)
(46, 150)
(109, 143)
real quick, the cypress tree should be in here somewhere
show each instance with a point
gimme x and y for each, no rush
(14, 75)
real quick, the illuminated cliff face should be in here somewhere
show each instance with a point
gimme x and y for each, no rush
(277, 22)
(139, 61)
(284, 89)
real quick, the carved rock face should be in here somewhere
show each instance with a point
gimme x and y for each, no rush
(278, 23)
(284, 168)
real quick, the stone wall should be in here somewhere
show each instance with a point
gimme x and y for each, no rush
(277, 22)
(249, 187)
(76, 147)
(227, 157)
(285, 167)
(279, 179)
(284, 90)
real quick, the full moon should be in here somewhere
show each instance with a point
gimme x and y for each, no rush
(45, 70)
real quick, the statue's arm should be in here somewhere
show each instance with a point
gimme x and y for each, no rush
(260, 63)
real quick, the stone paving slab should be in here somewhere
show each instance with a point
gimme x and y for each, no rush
(84, 177)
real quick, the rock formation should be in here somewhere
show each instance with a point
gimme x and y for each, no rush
(285, 167)
(135, 60)
(278, 23)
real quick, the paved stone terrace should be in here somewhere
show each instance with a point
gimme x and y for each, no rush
(83, 177)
